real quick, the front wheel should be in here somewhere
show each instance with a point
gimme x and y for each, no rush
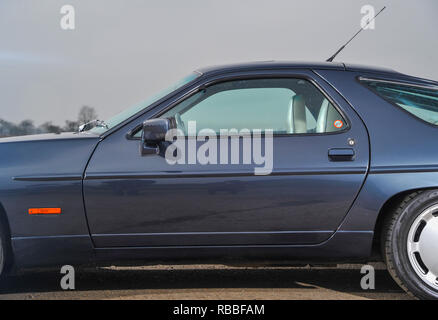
(410, 244)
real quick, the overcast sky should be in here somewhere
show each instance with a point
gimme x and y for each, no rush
(123, 51)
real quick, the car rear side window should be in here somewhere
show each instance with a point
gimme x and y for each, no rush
(420, 101)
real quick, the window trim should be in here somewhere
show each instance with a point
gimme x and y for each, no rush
(226, 78)
(362, 81)
(402, 83)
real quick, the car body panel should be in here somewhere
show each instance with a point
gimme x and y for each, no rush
(44, 171)
(403, 154)
(143, 201)
(51, 170)
(41, 173)
(270, 65)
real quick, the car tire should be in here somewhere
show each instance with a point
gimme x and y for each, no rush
(2, 253)
(410, 244)
(5, 253)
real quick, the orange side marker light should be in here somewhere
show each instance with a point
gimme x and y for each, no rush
(45, 211)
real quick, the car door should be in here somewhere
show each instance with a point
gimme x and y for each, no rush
(319, 160)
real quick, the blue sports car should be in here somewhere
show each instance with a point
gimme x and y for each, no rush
(276, 162)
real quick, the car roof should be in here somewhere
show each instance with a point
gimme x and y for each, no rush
(292, 65)
(272, 64)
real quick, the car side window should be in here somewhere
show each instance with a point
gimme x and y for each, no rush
(287, 106)
(419, 101)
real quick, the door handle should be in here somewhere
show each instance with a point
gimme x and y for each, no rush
(341, 154)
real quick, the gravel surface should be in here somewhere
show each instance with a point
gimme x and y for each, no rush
(203, 282)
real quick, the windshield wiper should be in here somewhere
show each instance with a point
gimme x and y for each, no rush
(93, 124)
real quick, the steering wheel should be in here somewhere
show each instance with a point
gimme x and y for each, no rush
(179, 123)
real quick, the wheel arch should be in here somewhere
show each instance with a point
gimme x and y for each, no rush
(5, 228)
(388, 208)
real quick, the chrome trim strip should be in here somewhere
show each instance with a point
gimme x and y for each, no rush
(411, 84)
(51, 237)
(206, 233)
(48, 178)
(403, 169)
(199, 174)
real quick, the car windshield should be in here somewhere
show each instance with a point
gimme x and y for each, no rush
(106, 125)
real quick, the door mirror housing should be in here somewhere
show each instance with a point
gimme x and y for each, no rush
(153, 133)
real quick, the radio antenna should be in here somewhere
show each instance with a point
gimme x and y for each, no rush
(361, 29)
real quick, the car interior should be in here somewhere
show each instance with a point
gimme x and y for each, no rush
(300, 108)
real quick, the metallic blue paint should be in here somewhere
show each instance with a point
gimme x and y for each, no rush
(118, 205)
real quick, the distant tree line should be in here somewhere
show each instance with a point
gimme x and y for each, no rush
(25, 127)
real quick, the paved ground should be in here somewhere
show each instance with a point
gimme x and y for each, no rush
(202, 282)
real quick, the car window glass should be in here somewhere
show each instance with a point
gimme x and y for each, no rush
(126, 114)
(421, 102)
(287, 106)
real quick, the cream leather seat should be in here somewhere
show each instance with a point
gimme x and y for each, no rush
(326, 118)
(296, 116)
(321, 122)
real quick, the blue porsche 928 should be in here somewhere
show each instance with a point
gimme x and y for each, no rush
(352, 176)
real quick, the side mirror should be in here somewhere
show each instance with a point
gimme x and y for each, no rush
(153, 133)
